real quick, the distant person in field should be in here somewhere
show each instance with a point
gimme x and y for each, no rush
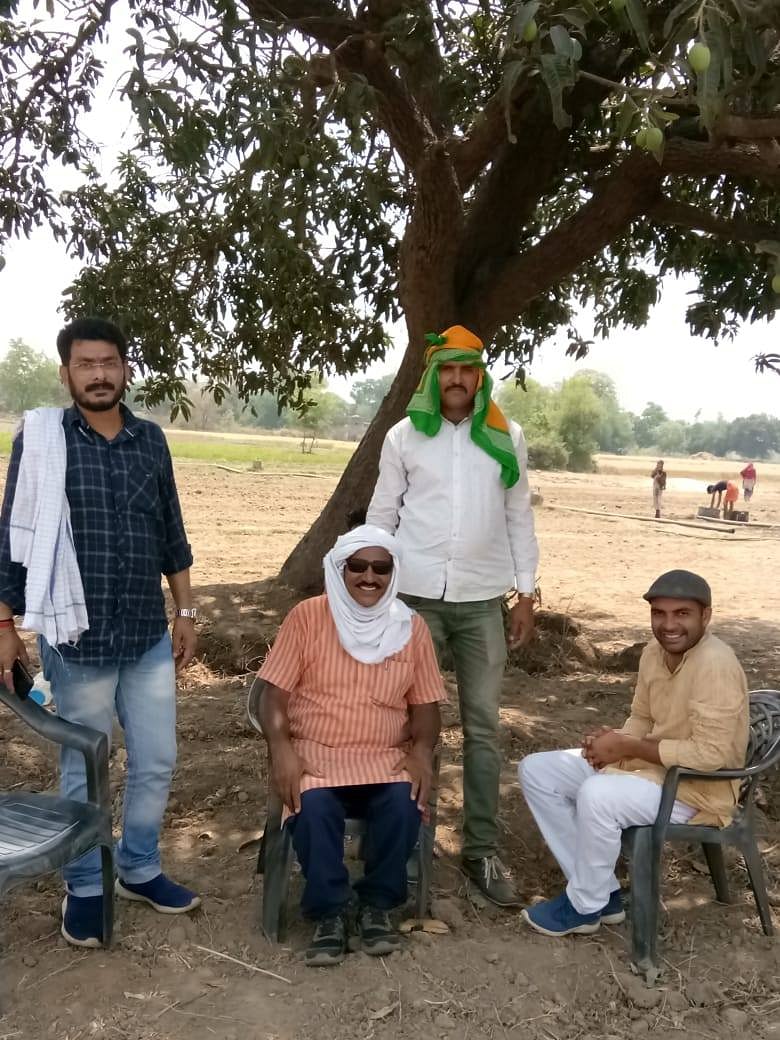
(732, 494)
(730, 498)
(659, 486)
(690, 708)
(749, 481)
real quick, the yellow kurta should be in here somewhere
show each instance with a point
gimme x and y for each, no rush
(700, 713)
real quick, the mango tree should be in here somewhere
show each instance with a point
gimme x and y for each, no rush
(306, 172)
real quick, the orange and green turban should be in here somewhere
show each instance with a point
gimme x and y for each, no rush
(489, 427)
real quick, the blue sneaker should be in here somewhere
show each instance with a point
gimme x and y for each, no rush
(613, 912)
(558, 917)
(161, 893)
(82, 920)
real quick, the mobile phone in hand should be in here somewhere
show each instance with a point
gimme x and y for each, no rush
(23, 681)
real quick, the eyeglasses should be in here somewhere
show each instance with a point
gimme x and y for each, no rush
(381, 567)
(112, 365)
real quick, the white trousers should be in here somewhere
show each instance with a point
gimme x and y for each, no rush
(582, 813)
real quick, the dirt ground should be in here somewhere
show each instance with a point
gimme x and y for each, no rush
(490, 977)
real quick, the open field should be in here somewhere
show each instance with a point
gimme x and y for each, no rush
(244, 449)
(490, 979)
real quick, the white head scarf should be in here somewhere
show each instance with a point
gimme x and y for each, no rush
(369, 634)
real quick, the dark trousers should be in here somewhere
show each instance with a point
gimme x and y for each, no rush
(392, 826)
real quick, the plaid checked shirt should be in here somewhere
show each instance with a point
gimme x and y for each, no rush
(128, 531)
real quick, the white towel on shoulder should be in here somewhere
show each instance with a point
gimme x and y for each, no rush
(41, 537)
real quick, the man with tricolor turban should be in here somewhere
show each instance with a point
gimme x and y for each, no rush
(453, 487)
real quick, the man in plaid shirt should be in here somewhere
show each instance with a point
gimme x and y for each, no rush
(127, 531)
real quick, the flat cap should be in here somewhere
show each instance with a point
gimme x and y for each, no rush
(680, 585)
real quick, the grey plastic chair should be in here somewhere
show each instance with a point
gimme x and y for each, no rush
(41, 833)
(275, 857)
(644, 845)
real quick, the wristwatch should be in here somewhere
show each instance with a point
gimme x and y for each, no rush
(190, 612)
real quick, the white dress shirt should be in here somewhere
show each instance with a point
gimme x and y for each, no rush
(464, 536)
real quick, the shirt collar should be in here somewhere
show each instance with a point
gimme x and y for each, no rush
(130, 422)
(688, 653)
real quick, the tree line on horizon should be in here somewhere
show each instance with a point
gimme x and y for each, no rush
(564, 424)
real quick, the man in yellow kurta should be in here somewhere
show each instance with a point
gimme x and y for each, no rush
(690, 709)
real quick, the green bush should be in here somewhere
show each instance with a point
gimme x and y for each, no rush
(581, 461)
(547, 453)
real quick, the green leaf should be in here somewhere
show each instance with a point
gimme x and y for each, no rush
(717, 36)
(660, 115)
(576, 17)
(635, 10)
(512, 72)
(551, 74)
(561, 40)
(755, 49)
(676, 14)
(768, 245)
(523, 16)
(564, 43)
(708, 84)
(625, 116)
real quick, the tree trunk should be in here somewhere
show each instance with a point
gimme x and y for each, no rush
(427, 260)
(302, 569)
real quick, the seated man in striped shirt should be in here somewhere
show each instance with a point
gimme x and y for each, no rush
(350, 711)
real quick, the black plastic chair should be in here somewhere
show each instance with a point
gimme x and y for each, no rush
(644, 845)
(275, 857)
(41, 833)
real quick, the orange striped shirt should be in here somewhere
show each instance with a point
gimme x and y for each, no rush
(348, 720)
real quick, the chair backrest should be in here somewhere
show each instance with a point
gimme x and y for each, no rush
(763, 736)
(764, 725)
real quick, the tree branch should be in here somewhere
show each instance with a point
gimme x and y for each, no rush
(421, 62)
(627, 193)
(684, 158)
(618, 199)
(356, 51)
(736, 229)
(507, 197)
(429, 249)
(746, 128)
(48, 71)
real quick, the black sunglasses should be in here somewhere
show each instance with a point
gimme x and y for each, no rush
(382, 567)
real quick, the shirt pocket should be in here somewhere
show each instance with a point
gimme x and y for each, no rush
(143, 491)
(392, 680)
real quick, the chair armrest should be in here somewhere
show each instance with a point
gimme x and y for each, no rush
(92, 744)
(677, 773)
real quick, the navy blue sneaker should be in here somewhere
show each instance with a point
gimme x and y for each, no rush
(161, 893)
(558, 917)
(613, 912)
(82, 920)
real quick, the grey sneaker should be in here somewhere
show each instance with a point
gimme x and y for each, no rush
(378, 935)
(493, 880)
(329, 942)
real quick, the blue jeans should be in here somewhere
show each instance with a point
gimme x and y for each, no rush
(393, 824)
(144, 695)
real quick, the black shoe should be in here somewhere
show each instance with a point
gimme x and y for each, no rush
(378, 935)
(329, 942)
(492, 879)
